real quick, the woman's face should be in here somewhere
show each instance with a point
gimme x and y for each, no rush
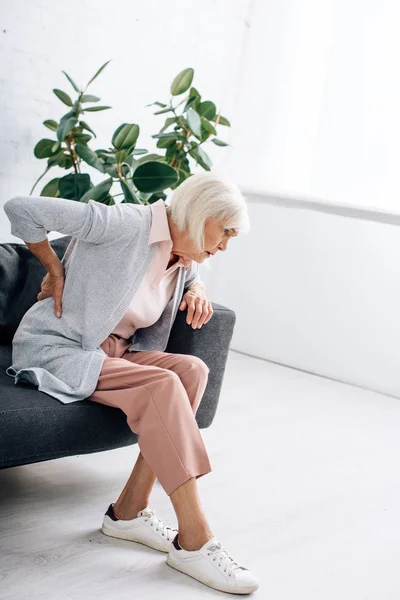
(216, 237)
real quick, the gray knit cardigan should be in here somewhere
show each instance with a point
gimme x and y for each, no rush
(104, 264)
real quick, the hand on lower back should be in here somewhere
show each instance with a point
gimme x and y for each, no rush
(53, 285)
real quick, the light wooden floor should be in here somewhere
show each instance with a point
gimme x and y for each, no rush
(305, 490)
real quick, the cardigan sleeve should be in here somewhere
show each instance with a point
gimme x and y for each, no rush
(94, 222)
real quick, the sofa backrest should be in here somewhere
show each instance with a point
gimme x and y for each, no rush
(21, 275)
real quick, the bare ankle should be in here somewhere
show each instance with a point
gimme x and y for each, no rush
(194, 540)
(128, 513)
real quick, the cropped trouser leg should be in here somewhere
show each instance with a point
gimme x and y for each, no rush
(159, 392)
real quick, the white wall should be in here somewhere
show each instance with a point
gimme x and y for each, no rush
(357, 156)
(318, 114)
(316, 291)
(148, 42)
(282, 82)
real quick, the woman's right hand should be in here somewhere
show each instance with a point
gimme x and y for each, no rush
(53, 285)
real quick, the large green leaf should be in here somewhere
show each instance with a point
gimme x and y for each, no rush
(43, 148)
(99, 192)
(171, 151)
(206, 129)
(130, 160)
(82, 138)
(183, 168)
(194, 99)
(164, 110)
(50, 124)
(125, 136)
(149, 157)
(182, 82)
(207, 109)
(201, 157)
(166, 142)
(168, 123)
(74, 185)
(103, 152)
(121, 155)
(154, 176)
(191, 102)
(166, 135)
(89, 98)
(155, 197)
(90, 157)
(194, 121)
(95, 108)
(157, 103)
(138, 151)
(221, 120)
(184, 165)
(72, 82)
(218, 142)
(110, 164)
(65, 127)
(69, 114)
(144, 197)
(129, 192)
(51, 188)
(86, 126)
(125, 170)
(180, 153)
(204, 156)
(98, 73)
(63, 97)
(61, 158)
(111, 170)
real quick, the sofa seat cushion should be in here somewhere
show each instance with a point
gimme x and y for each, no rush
(30, 419)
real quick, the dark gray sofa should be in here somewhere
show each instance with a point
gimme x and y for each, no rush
(35, 426)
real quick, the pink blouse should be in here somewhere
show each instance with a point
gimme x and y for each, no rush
(158, 284)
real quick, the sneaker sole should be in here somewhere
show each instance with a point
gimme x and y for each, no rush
(126, 536)
(220, 587)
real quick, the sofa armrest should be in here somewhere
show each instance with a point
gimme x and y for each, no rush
(211, 344)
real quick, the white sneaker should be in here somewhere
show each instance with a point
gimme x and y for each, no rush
(213, 566)
(146, 529)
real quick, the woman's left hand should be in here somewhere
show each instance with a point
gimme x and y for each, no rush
(199, 308)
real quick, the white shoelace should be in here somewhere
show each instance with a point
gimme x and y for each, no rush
(224, 559)
(159, 525)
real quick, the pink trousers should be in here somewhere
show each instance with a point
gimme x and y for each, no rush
(159, 392)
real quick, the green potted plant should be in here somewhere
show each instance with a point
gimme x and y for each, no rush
(190, 123)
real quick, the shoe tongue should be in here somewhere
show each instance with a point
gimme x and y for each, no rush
(212, 542)
(146, 512)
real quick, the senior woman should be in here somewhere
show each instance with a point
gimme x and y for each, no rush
(100, 329)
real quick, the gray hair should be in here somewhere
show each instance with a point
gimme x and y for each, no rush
(203, 196)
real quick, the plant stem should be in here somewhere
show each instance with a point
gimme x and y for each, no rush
(71, 153)
(42, 175)
(118, 169)
(71, 141)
